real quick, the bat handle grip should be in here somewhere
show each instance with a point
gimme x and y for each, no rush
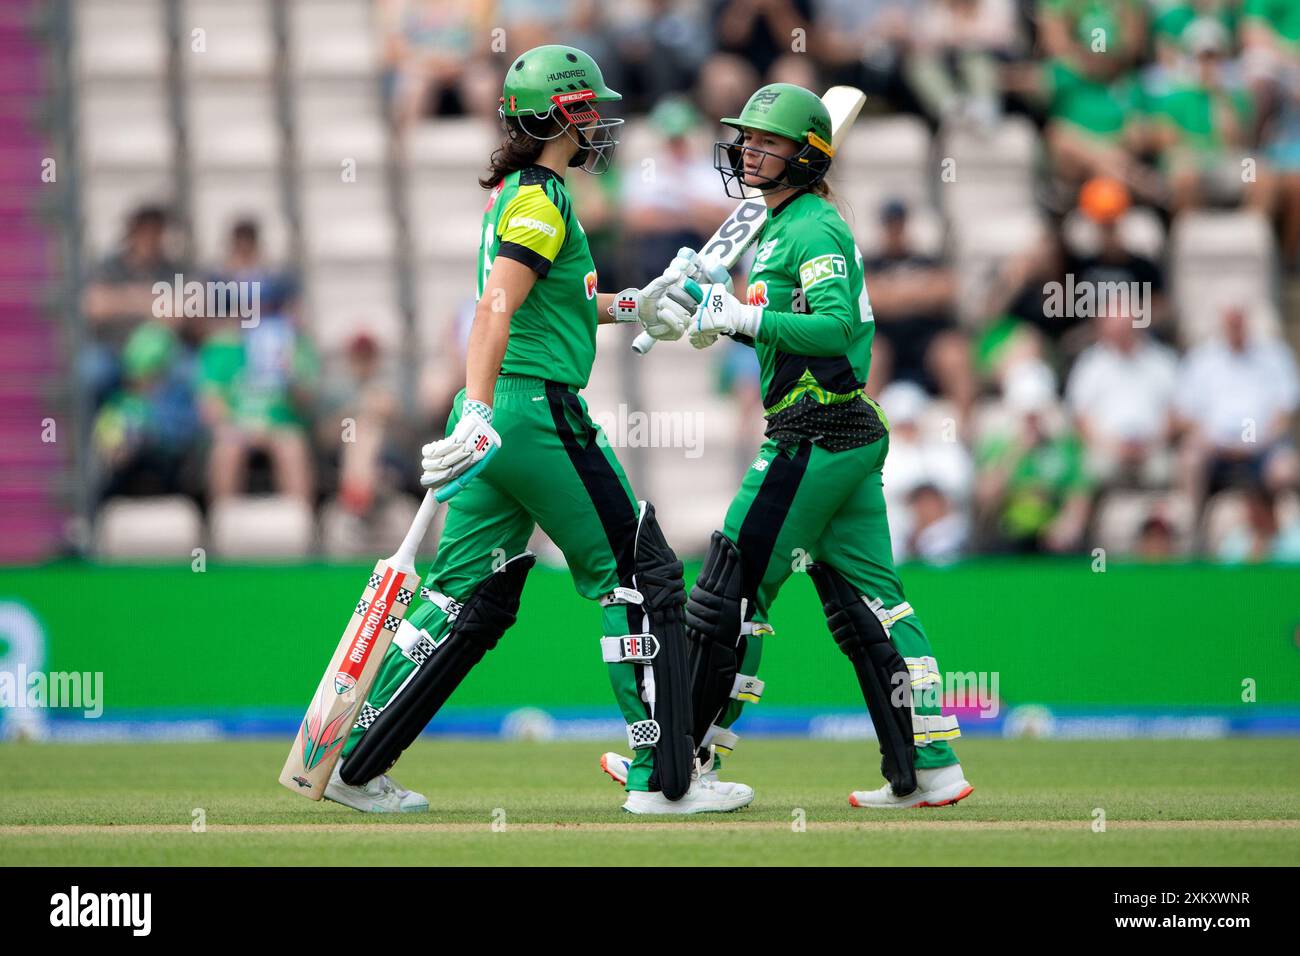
(404, 558)
(643, 343)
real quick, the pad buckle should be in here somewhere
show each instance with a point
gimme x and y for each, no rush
(622, 596)
(643, 734)
(629, 648)
(721, 739)
(747, 688)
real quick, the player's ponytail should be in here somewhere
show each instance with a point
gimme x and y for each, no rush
(518, 150)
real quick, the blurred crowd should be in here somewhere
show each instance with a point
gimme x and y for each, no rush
(1023, 431)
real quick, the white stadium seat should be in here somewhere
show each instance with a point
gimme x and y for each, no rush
(221, 197)
(883, 159)
(1219, 260)
(124, 124)
(261, 526)
(347, 221)
(1121, 513)
(238, 38)
(1140, 231)
(981, 245)
(925, 232)
(233, 125)
(444, 213)
(346, 535)
(163, 527)
(120, 38)
(443, 286)
(333, 38)
(360, 298)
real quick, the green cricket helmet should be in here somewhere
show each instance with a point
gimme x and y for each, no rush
(786, 110)
(561, 84)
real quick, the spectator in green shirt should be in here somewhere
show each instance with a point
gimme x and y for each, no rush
(253, 384)
(1033, 492)
(1089, 87)
(1201, 127)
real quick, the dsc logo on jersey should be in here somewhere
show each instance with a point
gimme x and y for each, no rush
(590, 280)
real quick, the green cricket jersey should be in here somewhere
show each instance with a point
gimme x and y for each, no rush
(529, 218)
(815, 338)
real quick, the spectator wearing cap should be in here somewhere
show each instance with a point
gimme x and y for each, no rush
(912, 297)
(920, 455)
(1121, 394)
(1236, 400)
(145, 434)
(1113, 266)
(1202, 126)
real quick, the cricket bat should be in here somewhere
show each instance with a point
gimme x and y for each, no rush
(356, 660)
(740, 228)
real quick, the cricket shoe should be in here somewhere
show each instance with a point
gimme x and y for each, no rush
(702, 797)
(380, 795)
(937, 787)
(616, 766)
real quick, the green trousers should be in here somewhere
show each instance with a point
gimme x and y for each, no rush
(802, 503)
(554, 470)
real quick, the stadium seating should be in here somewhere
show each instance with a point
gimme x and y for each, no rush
(261, 527)
(140, 528)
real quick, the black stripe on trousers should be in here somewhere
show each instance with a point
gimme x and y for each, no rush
(766, 515)
(617, 516)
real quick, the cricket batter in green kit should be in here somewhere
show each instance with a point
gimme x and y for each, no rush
(814, 487)
(541, 461)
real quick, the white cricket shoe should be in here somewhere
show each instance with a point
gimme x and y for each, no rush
(702, 797)
(616, 766)
(381, 795)
(937, 787)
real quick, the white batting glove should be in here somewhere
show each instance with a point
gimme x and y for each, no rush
(690, 264)
(722, 312)
(471, 442)
(663, 308)
(702, 340)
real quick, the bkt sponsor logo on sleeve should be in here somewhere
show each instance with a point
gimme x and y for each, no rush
(829, 266)
(77, 909)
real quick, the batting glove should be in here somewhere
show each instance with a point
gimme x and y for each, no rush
(721, 312)
(470, 444)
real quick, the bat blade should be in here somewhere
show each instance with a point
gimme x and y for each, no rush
(739, 229)
(343, 688)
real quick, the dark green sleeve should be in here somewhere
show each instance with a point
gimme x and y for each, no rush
(819, 256)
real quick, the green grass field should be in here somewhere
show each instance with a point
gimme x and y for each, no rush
(1221, 802)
